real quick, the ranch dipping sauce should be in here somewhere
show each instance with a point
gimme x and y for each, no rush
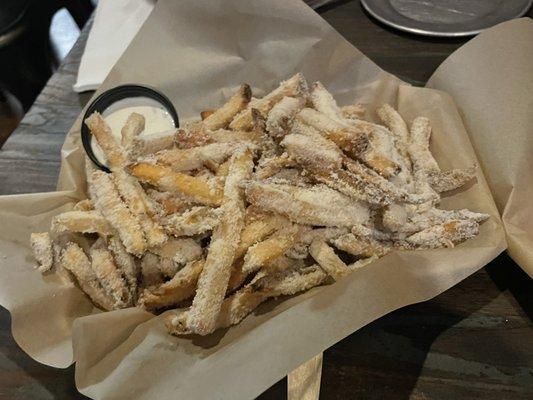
(157, 120)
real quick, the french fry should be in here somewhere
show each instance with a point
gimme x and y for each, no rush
(293, 87)
(76, 261)
(170, 203)
(353, 111)
(113, 152)
(223, 116)
(149, 144)
(214, 278)
(150, 272)
(166, 179)
(262, 253)
(181, 250)
(323, 101)
(41, 245)
(194, 221)
(361, 246)
(181, 287)
(327, 259)
(132, 128)
(82, 222)
(126, 263)
(451, 180)
(110, 277)
(444, 235)
(196, 157)
(394, 121)
(110, 205)
(309, 206)
(206, 113)
(418, 148)
(274, 165)
(281, 116)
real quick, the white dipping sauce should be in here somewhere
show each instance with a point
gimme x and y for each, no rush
(157, 120)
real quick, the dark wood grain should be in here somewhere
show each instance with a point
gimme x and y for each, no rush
(473, 341)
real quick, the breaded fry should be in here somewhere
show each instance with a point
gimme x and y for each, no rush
(110, 277)
(196, 157)
(181, 250)
(149, 144)
(317, 205)
(450, 180)
(109, 204)
(281, 116)
(166, 179)
(444, 235)
(126, 264)
(74, 260)
(361, 246)
(193, 221)
(223, 116)
(262, 253)
(132, 128)
(327, 259)
(112, 150)
(82, 222)
(352, 140)
(83, 205)
(214, 278)
(294, 87)
(353, 111)
(181, 287)
(41, 245)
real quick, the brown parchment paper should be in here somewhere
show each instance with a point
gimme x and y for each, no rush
(197, 52)
(491, 79)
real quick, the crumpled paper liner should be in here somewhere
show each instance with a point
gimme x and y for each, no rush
(197, 53)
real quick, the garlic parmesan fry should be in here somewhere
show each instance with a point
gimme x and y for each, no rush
(264, 252)
(206, 113)
(214, 278)
(444, 235)
(109, 204)
(451, 180)
(83, 205)
(150, 272)
(193, 221)
(281, 116)
(327, 259)
(361, 246)
(223, 116)
(110, 277)
(132, 128)
(353, 111)
(126, 263)
(179, 288)
(293, 87)
(82, 222)
(149, 144)
(274, 165)
(113, 152)
(418, 148)
(74, 260)
(181, 250)
(166, 179)
(41, 245)
(196, 157)
(324, 102)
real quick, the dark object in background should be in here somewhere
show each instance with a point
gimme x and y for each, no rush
(26, 60)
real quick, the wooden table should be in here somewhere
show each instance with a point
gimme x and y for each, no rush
(475, 340)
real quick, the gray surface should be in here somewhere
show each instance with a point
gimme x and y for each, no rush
(451, 18)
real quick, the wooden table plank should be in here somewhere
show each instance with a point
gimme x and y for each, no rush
(474, 340)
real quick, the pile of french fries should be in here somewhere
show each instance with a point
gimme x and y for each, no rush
(263, 197)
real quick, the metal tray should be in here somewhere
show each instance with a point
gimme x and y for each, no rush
(447, 18)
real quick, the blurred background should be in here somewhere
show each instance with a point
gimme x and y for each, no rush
(35, 36)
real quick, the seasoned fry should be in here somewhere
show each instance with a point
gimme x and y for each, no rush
(274, 165)
(418, 148)
(74, 260)
(82, 222)
(109, 204)
(294, 87)
(327, 259)
(133, 127)
(281, 116)
(196, 157)
(223, 116)
(113, 152)
(126, 263)
(451, 180)
(110, 277)
(181, 287)
(149, 144)
(206, 113)
(41, 245)
(353, 111)
(361, 246)
(180, 250)
(444, 235)
(394, 121)
(214, 278)
(166, 179)
(170, 203)
(324, 102)
(193, 222)
(264, 252)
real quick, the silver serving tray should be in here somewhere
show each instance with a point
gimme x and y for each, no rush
(448, 18)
